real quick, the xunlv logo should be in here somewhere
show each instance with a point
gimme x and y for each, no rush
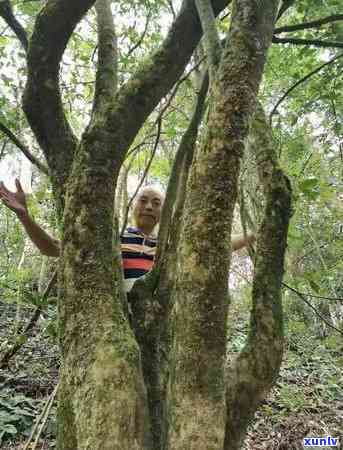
(327, 441)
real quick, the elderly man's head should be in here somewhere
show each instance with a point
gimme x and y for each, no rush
(147, 208)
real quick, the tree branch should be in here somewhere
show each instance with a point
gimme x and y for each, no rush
(212, 44)
(314, 42)
(156, 77)
(302, 297)
(107, 70)
(286, 4)
(42, 99)
(335, 299)
(200, 294)
(179, 174)
(24, 149)
(155, 315)
(140, 40)
(306, 25)
(302, 80)
(253, 372)
(6, 12)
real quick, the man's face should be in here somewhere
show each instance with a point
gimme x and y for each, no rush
(147, 209)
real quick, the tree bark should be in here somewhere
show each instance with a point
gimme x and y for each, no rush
(197, 384)
(103, 397)
(101, 373)
(151, 296)
(253, 373)
(42, 98)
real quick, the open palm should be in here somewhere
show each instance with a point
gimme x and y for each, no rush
(16, 201)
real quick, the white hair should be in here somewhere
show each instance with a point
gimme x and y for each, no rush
(154, 187)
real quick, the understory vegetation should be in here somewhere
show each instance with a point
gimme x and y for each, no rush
(306, 401)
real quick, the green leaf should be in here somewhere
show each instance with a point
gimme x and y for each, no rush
(310, 188)
(10, 429)
(308, 184)
(314, 286)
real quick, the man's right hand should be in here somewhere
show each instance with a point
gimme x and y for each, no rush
(16, 201)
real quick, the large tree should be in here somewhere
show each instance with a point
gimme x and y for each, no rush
(160, 381)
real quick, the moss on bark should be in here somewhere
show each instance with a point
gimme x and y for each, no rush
(197, 385)
(253, 373)
(101, 358)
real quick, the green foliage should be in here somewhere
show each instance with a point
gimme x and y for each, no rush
(17, 414)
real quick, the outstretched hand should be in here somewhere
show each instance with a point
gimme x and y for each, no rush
(16, 201)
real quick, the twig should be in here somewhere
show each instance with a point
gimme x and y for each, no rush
(24, 149)
(225, 16)
(300, 295)
(140, 40)
(3, 148)
(136, 147)
(314, 42)
(42, 418)
(176, 87)
(336, 299)
(33, 431)
(46, 416)
(305, 25)
(166, 105)
(302, 80)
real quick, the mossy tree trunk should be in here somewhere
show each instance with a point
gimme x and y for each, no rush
(253, 373)
(113, 389)
(197, 401)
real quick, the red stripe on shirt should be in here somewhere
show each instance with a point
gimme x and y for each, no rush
(137, 263)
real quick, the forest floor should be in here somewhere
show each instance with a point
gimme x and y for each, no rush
(307, 400)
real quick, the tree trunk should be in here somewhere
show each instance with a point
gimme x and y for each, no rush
(253, 373)
(102, 386)
(197, 385)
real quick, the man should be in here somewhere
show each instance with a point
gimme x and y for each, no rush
(138, 244)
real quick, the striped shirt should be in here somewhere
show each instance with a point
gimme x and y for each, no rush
(138, 252)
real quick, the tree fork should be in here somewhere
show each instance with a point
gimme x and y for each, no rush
(42, 102)
(151, 295)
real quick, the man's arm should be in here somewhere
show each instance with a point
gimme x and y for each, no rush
(240, 241)
(16, 201)
(46, 244)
